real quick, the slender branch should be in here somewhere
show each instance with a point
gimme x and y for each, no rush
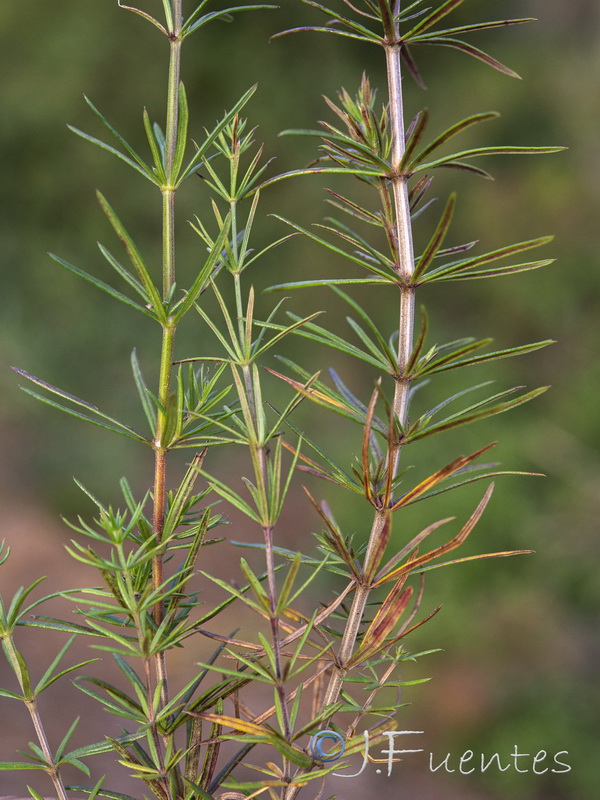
(166, 360)
(404, 268)
(170, 150)
(259, 454)
(52, 769)
(406, 258)
(275, 634)
(402, 246)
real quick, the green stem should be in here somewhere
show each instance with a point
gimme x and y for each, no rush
(160, 451)
(52, 769)
(276, 638)
(173, 88)
(168, 241)
(166, 358)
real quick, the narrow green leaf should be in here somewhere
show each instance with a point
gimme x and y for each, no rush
(180, 501)
(204, 275)
(449, 133)
(344, 253)
(52, 624)
(372, 255)
(257, 352)
(108, 793)
(135, 258)
(124, 273)
(105, 420)
(436, 366)
(160, 139)
(143, 14)
(228, 494)
(258, 673)
(288, 584)
(322, 335)
(16, 606)
(196, 160)
(327, 282)
(414, 138)
(143, 167)
(182, 133)
(369, 322)
(194, 15)
(157, 154)
(105, 287)
(146, 173)
(202, 795)
(255, 584)
(494, 272)
(375, 173)
(436, 241)
(105, 746)
(354, 209)
(480, 55)
(147, 405)
(463, 166)
(338, 18)
(372, 38)
(10, 695)
(431, 19)
(382, 357)
(224, 14)
(465, 417)
(65, 741)
(489, 151)
(51, 677)
(485, 258)
(480, 26)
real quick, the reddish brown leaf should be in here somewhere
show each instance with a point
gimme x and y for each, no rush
(443, 473)
(445, 548)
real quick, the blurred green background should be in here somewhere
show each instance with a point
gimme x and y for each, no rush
(519, 637)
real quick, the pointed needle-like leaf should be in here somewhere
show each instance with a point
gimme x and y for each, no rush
(442, 474)
(105, 287)
(431, 19)
(135, 258)
(436, 241)
(444, 548)
(144, 15)
(454, 130)
(111, 423)
(147, 405)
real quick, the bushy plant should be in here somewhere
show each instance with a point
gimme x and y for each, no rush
(329, 667)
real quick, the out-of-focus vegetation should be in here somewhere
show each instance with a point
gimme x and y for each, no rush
(520, 637)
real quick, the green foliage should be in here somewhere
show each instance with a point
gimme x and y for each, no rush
(335, 661)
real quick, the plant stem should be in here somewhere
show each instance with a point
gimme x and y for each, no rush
(52, 769)
(170, 149)
(404, 268)
(403, 246)
(166, 359)
(275, 634)
(404, 242)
